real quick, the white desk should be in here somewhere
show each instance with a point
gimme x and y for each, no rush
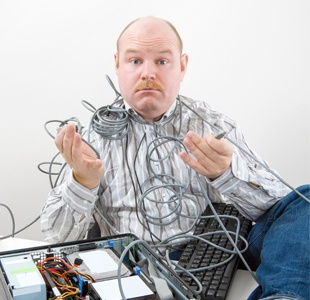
(17, 243)
(242, 285)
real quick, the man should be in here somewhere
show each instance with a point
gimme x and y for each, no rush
(141, 178)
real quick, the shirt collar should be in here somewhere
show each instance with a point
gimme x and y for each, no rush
(131, 111)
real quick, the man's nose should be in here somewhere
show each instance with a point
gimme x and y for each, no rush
(148, 71)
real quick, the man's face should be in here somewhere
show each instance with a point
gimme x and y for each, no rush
(150, 67)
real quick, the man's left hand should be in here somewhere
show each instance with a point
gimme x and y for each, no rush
(212, 156)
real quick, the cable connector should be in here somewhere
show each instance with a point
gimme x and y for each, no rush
(221, 135)
(78, 261)
(137, 270)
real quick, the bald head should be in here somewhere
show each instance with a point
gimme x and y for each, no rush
(150, 66)
(154, 23)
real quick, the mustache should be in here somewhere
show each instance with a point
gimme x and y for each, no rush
(148, 85)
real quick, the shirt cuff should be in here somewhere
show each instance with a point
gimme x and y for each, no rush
(80, 192)
(234, 176)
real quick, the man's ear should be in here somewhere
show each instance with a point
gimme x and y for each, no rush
(116, 61)
(184, 62)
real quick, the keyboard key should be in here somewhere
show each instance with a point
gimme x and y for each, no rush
(215, 281)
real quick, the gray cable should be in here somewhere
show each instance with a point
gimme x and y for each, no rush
(163, 292)
(113, 122)
(12, 218)
(224, 135)
(223, 227)
(269, 170)
(20, 230)
(105, 219)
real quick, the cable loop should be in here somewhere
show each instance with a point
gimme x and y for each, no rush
(111, 122)
(164, 190)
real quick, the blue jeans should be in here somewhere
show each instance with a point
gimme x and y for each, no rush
(279, 249)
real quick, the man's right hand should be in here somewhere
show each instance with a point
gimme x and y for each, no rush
(87, 168)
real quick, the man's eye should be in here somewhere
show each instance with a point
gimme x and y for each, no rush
(135, 61)
(162, 62)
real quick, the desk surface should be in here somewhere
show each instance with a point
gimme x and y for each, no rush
(242, 285)
(17, 243)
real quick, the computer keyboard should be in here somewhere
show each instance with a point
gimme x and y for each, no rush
(198, 254)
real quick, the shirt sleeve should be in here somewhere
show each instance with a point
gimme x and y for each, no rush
(249, 183)
(67, 214)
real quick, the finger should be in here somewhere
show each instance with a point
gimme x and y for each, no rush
(208, 149)
(212, 157)
(223, 152)
(59, 140)
(88, 150)
(76, 150)
(199, 147)
(221, 146)
(83, 155)
(194, 163)
(68, 141)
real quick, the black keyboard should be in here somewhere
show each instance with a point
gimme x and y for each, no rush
(198, 254)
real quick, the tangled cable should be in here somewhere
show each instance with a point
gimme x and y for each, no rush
(112, 121)
(172, 190)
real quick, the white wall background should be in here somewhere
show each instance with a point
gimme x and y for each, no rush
(248, 59)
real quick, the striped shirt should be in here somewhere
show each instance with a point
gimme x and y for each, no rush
(147, 189)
